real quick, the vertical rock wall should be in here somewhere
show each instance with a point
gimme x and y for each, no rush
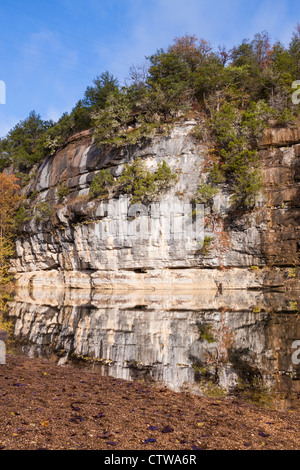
(90, 243)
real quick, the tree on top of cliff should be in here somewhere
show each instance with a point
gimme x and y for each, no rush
(21, 146)
(103, 85)
(180, 69)
(294, 51)
(9, 202)
(188, 76)
(256, 53)
(192, 50)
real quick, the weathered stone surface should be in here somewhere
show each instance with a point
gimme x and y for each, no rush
(280, 137)
(91, 244)
(297, 170)
(160, 336)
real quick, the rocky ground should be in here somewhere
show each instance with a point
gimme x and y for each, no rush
(45, 406)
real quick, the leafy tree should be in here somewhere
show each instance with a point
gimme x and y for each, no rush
(205, 193)
(81, 117)
(262, 49)
(69, 124)
(256, 53)
(283, 63)
(101, 184)
(171, 82)
(42, 212)
(238, 91)
(294, 51)
(143, 185)
(21, 146)
(243, 55)
(9, 202)
(255, 119)
(236, 134)
(224, 124)
(193, 51)
(122, 121)
(95, 96)
(62, 191)
(112, 120)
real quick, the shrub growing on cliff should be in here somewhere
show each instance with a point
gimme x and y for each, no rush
(136, 180)
(62, 191)
(95, 96)
(255, 119)
(22, 216)
(205, 193)
(22, 147)
(236, 133)
(43, 212)
(101, 184)
(143, 185)
(247, 186)
(119, 124)
(187, 77)
(206, 246)
(164, 177)
(69, 124)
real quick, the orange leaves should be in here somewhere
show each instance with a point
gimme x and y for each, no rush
(9, 186)
(9, 201)
(191, 49)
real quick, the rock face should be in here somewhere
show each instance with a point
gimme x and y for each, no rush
(104, 243)
(187, 341)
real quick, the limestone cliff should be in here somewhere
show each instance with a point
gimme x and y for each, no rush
(89, 244)
(191, 341)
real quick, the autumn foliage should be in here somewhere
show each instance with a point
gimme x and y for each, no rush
(9, 202)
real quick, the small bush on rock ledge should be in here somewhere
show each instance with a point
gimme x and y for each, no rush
(101, 184)
(136, 180)
(143, 185)
(43, 212)
(62, 191)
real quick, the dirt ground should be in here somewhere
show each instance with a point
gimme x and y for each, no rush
(51, 407)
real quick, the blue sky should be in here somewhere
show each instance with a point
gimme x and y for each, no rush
(50, 51)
